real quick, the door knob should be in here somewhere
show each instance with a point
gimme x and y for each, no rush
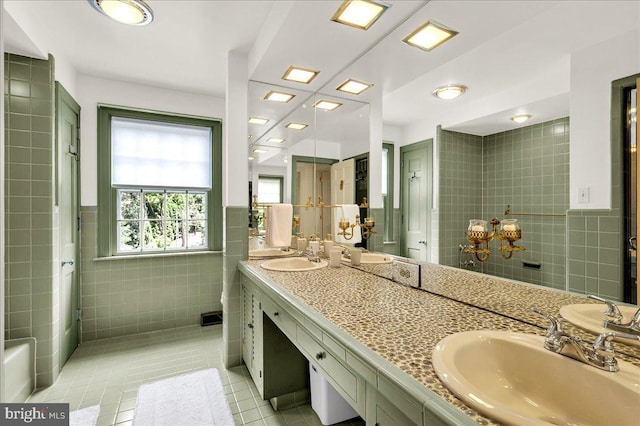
(67, 262)
(422, 242)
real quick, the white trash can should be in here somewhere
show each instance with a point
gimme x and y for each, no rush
(330, 407)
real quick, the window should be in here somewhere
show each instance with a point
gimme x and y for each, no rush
(270, 189)
(387, 190)
(159, 184)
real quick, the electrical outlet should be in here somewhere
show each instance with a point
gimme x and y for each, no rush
(406, 273)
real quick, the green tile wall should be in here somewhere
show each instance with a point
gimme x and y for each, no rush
(31, 280)
(129, 296)
(236, 250)
(526, 168)
(460, 190)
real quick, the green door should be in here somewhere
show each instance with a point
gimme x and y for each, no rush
(68, 156)
(416, 195)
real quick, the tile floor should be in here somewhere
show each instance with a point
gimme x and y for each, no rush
(110, 371)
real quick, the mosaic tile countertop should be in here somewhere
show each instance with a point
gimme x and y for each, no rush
(403, 324)
(502, 296)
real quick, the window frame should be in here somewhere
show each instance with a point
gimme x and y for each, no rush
(108, 195)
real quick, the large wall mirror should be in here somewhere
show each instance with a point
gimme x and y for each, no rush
(480, 161)
(294, 150)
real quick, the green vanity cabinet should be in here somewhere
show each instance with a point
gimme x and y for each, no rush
(251, 330)
(275, 364)
(288, 333)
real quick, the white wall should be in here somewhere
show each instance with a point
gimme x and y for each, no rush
(393, 134)
(592, 71)
(91, 91)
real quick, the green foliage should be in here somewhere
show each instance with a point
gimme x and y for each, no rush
(171, 220)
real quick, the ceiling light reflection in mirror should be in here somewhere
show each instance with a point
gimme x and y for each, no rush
(429, 36)
(300, 75)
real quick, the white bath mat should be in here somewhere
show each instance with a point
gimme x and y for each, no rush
(191, 399)
(84, 417)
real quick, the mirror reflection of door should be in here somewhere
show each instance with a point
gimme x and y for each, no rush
(343, 176)
(416, 199)
(305, 177)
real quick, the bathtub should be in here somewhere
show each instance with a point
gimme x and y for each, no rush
(19, 369)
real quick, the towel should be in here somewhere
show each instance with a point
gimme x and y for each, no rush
(349, 212)
(279, 218)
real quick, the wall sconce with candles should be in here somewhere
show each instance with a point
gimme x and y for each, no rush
(478, 234)
(366, 227)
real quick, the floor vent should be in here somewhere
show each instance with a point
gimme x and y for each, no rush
(211, 318)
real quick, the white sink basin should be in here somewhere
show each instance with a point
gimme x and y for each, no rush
(589, 317)
(270, 252)
(293, 264)
(511, 378)
(372, 258)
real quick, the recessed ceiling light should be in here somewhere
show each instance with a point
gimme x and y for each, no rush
(130, 12)
(429, 36)
(521, 118)
(327, 105)
(359, 13)
(252, 158)
(258, 120)
(449, 91)
(353, 86)
(259, 151)
(275, 140)
(278, 96)
(296, 126)
(300, 75)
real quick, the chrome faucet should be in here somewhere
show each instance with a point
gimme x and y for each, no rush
(612, 311)
(600, 355)
(311, 256)
(613, 318)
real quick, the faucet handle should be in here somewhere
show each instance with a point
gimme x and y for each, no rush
(603, 348)
(556, 324)
(612, 311)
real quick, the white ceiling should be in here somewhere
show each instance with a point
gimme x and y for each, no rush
(513, 55)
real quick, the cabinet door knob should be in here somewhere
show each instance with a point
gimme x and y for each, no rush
(250, 325)
(276, 313)
(320, 355)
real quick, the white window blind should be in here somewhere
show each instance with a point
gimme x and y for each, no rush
(269, 190)
(161, 155)
(385, 179)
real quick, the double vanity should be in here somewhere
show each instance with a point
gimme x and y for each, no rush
(464, 348)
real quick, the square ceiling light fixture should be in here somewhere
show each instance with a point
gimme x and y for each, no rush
(130, 12)
(296, 126)
(259, 151)
(359, 13)
(327, 105)
(275, 140)
(429, 36)
(354, 87)
(300, 75)
(258, 120)
(278, 96)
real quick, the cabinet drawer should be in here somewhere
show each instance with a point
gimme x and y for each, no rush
(280, 317)
(346, 381)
